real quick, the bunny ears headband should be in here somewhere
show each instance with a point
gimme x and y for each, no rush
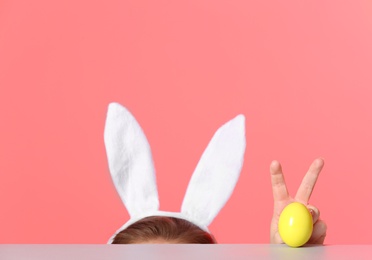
(132, 170)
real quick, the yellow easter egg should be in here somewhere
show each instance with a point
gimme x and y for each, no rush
(295, 224)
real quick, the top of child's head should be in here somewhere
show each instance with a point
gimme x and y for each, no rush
(163, 230)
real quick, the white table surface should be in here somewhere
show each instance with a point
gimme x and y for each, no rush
(209, 252)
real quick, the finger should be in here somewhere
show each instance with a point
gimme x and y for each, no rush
(315, 213)
(278, 183)
(319, 233)
(320, 241)
(308, 182)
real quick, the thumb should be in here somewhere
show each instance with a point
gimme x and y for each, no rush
(315, 213)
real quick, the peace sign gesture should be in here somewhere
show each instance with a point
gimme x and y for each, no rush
(282, 199)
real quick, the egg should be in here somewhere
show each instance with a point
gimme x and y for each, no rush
(295, 224)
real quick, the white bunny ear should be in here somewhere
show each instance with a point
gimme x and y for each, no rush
(216, 174)
(130, 161)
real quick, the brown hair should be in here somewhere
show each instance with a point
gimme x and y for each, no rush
(169, 229)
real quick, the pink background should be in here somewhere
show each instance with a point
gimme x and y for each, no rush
(299, 70)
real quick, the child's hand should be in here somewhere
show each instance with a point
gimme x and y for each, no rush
(282, 199)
